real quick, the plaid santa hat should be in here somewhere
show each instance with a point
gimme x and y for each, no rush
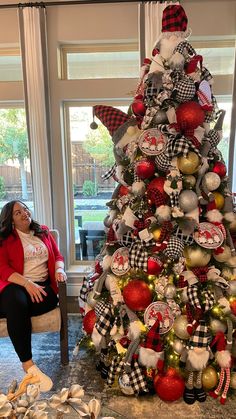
(116, 121)
(151, 354)
(174, 19)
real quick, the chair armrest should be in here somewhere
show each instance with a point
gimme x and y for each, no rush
(64, 326)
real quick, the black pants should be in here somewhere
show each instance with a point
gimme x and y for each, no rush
(17, 307)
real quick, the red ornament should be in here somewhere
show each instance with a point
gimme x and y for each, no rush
(123, 190)
(154, 266)
(157, 183)
(137, 295)
(89, 321)
(145, 168)
(189, 115)
(170, 386)
(233, 307)
(138, 107)
(220, 169)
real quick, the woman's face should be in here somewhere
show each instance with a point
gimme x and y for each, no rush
(21, 217)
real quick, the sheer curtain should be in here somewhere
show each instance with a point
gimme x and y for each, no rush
(150, 25)
(32, 25)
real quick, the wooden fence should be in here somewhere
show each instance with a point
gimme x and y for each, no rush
(83, 168)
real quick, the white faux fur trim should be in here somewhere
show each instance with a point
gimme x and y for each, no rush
(163, 213)
(214, 216)
(149, 358)
(223, 358)
(198, 360)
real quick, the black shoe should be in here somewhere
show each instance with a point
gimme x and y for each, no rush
(189, 395)
(200, 394)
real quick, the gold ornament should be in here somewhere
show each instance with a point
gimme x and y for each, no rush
(209, 378)
(219, 200)
(178, 346)
(217, 326)
(156, 234)
(196, 256)
(180, 327)
(233, 380)
(189, 180)
(224, 256)
(189, 164)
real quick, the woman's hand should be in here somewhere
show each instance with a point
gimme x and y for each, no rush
(35, 291)
(60, 275)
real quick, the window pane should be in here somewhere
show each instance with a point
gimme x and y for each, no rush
(92, 156)
(15, 174)
(103, 65)
(220, 61)
(10, 68)
(223, 146)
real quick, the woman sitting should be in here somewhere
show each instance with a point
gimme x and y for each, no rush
(30, 268)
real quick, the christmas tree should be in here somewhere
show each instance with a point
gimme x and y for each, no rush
(160, 306)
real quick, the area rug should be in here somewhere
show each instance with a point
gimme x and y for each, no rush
(82, 370)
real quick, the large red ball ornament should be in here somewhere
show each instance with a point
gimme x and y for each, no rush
(157, 183)
(137, 295)
(189, 115)
(170, 386)
(123, 190)
(145, 168)
(89, 321)
(220, 169)
(138, 107)
(233, 307)
(154, 266)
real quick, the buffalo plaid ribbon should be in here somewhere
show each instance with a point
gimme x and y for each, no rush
(174, 248)
(136, 376)
(104, 317)
(185, 48)
(139, 252)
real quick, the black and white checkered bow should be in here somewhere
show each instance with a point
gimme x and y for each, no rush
(138, 255)
(136, 376)
(87, 286)
(185, 90)
(179, 145)
(104, 317)
(185, 48)
(174, 248)
(207, 297)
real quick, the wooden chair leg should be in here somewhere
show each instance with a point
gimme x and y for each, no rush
(64, 324)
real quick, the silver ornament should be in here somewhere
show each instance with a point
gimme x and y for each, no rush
(170, 291)
(124, 383)
(212, 181)
(217, 326)
(178, 346)
(188, 200)
(159, 118)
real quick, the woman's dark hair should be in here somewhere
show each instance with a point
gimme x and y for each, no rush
(6, 218)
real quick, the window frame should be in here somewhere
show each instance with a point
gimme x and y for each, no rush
(69, 181)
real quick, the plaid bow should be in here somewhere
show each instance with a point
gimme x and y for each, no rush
(139, 253)
(179, 145)
(174, 248)
(87, 286)
(188, 133)
(156, 197)
(184, 47)
(201, 273)
(104, 316)
(136, 376)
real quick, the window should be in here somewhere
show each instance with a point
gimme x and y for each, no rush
(91, 157)
(226, 104)
(10, 64)
(100, 61)
(15, 173)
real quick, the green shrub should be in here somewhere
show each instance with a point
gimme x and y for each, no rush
(89, 188)
(2, 188)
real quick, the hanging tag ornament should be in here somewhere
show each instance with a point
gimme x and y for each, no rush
(161, 311)
(120, 261)
(152, 142)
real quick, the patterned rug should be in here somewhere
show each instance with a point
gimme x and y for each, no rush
(81, 370)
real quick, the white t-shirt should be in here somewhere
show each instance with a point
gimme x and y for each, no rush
(35, 257)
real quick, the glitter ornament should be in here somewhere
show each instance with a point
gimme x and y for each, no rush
(220, 169)
(209, 378)
(137, 295)
(189, 115)
(189, 164)
(89, 321)
(145, 168)
(188, 200)
(169, 386)
(212, 181)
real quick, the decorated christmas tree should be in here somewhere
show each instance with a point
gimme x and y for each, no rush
(160, 306)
